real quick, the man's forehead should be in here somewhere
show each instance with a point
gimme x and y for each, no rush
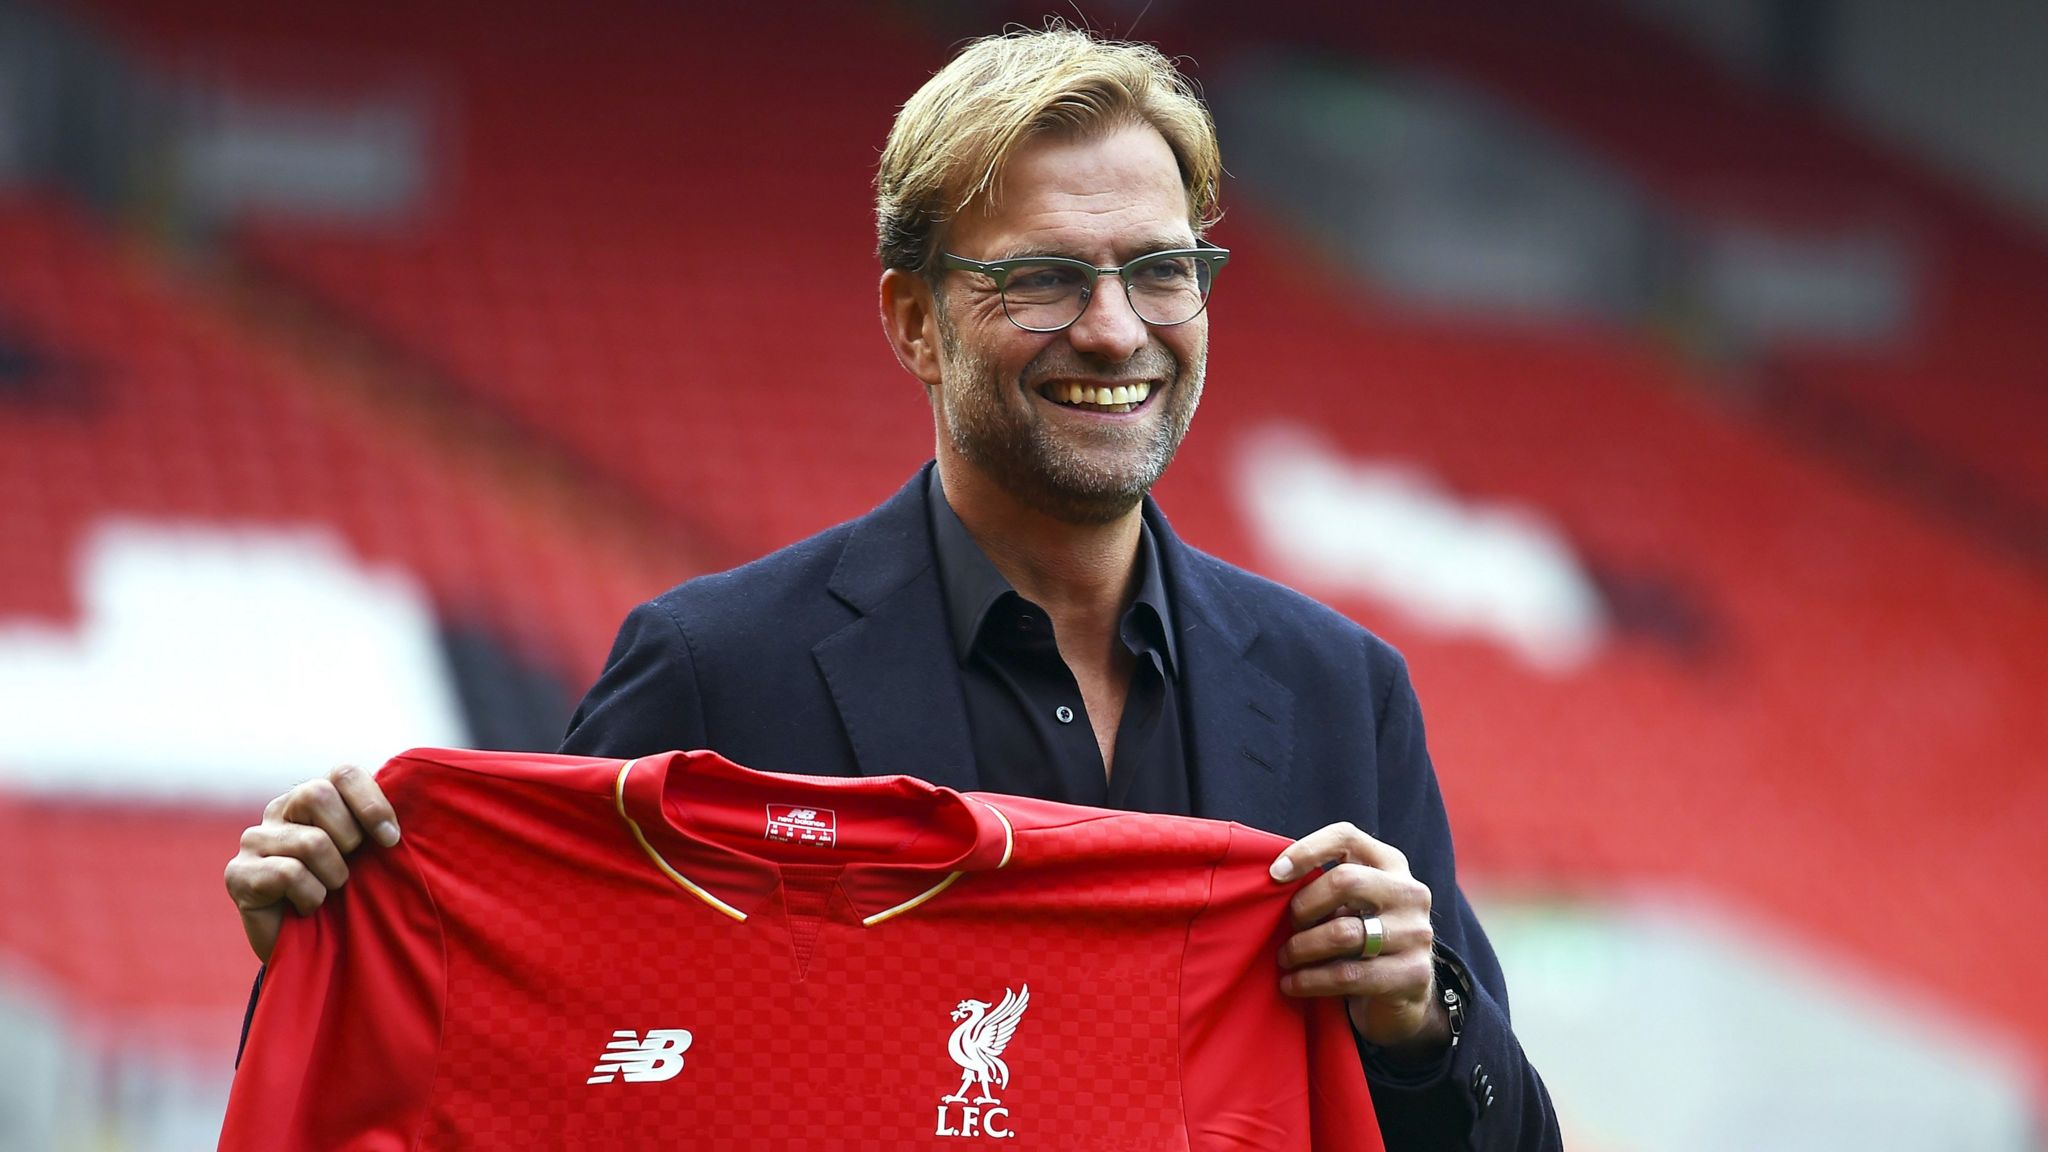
(1124, 184)
(1130, 157)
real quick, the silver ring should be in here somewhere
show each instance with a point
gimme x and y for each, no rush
(1375, 936)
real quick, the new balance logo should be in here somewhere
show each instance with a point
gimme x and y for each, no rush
(801, 824)
(658, 1057)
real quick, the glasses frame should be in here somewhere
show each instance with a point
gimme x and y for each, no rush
(999, 271)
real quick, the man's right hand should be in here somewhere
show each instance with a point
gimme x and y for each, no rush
(296, 854)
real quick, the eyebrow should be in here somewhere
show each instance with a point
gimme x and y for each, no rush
(1145, 248)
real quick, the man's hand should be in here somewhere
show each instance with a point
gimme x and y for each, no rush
(296, 854)
(1391, 996)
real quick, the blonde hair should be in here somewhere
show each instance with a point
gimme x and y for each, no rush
(950, 142)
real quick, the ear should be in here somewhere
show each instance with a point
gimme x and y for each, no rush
(910, 320)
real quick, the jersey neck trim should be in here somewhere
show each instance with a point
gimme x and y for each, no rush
(723, 833)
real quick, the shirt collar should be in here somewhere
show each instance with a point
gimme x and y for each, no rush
(973, 586)
(712, 828)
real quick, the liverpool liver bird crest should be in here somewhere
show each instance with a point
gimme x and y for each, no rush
(978, 1042)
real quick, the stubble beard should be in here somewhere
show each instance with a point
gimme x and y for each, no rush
(1028, 458)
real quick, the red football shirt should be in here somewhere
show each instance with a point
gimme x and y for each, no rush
(679, 952)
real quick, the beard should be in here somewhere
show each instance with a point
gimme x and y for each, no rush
(1095, 479)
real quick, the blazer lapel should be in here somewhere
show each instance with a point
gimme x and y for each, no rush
(1240, 720)
(899, 716)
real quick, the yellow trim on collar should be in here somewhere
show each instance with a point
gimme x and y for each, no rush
(619, 800)
(1009, 843)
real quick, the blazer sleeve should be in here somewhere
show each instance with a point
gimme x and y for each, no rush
(645, 701)
(1485, 1094)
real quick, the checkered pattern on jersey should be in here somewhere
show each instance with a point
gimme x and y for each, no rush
(543, 968)
(562, 939)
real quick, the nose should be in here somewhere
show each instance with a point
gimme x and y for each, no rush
(1108, 327)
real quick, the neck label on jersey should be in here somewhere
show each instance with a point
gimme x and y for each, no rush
(800, 824)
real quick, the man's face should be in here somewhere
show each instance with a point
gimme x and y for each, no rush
(1004, 403)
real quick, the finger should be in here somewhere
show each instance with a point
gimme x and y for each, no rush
(1343, 938)
(261, 886)
(318, 804)
(334, 802)
(311, 846)
(252, 884)
(1338, 938)
(256, 882)
(359, 790)
(1402, 978)
(1358, 887)
(1333, 843)
(300, 888)
(266, 883)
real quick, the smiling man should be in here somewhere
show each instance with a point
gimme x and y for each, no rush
(1058, 403)
(1020, 617)
(1020, 397)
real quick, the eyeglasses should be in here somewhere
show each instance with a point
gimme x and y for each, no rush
(1049, 293)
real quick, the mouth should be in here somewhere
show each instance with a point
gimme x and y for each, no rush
(1107, 399)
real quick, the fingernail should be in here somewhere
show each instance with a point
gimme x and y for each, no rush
(1282, 869)
(386, 833)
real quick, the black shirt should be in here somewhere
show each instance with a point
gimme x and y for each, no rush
(1029, 727)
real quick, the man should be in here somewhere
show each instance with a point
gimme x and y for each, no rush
(1021, 618)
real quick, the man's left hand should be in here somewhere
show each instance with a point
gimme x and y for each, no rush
(1391, 995)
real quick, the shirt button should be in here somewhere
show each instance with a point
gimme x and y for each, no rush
(1065, 714)
(1026, 623)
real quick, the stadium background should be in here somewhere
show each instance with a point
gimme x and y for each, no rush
(1664, 377)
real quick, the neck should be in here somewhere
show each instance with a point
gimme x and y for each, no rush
(1079, 572)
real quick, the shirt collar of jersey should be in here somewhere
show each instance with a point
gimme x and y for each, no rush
(702, 821)
(973, 585)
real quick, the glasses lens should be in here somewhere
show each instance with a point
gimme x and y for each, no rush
(1045, 296)
(1169, 288)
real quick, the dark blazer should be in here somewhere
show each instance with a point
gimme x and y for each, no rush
(834, 657)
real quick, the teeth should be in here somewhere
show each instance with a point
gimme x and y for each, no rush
(1122, 396)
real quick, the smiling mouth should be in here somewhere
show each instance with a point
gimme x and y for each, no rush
(1115, 399)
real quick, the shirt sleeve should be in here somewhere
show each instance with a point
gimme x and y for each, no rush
(341, 1049)
(1259, 1069)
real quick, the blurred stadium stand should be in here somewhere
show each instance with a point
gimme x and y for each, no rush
(530, 311)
